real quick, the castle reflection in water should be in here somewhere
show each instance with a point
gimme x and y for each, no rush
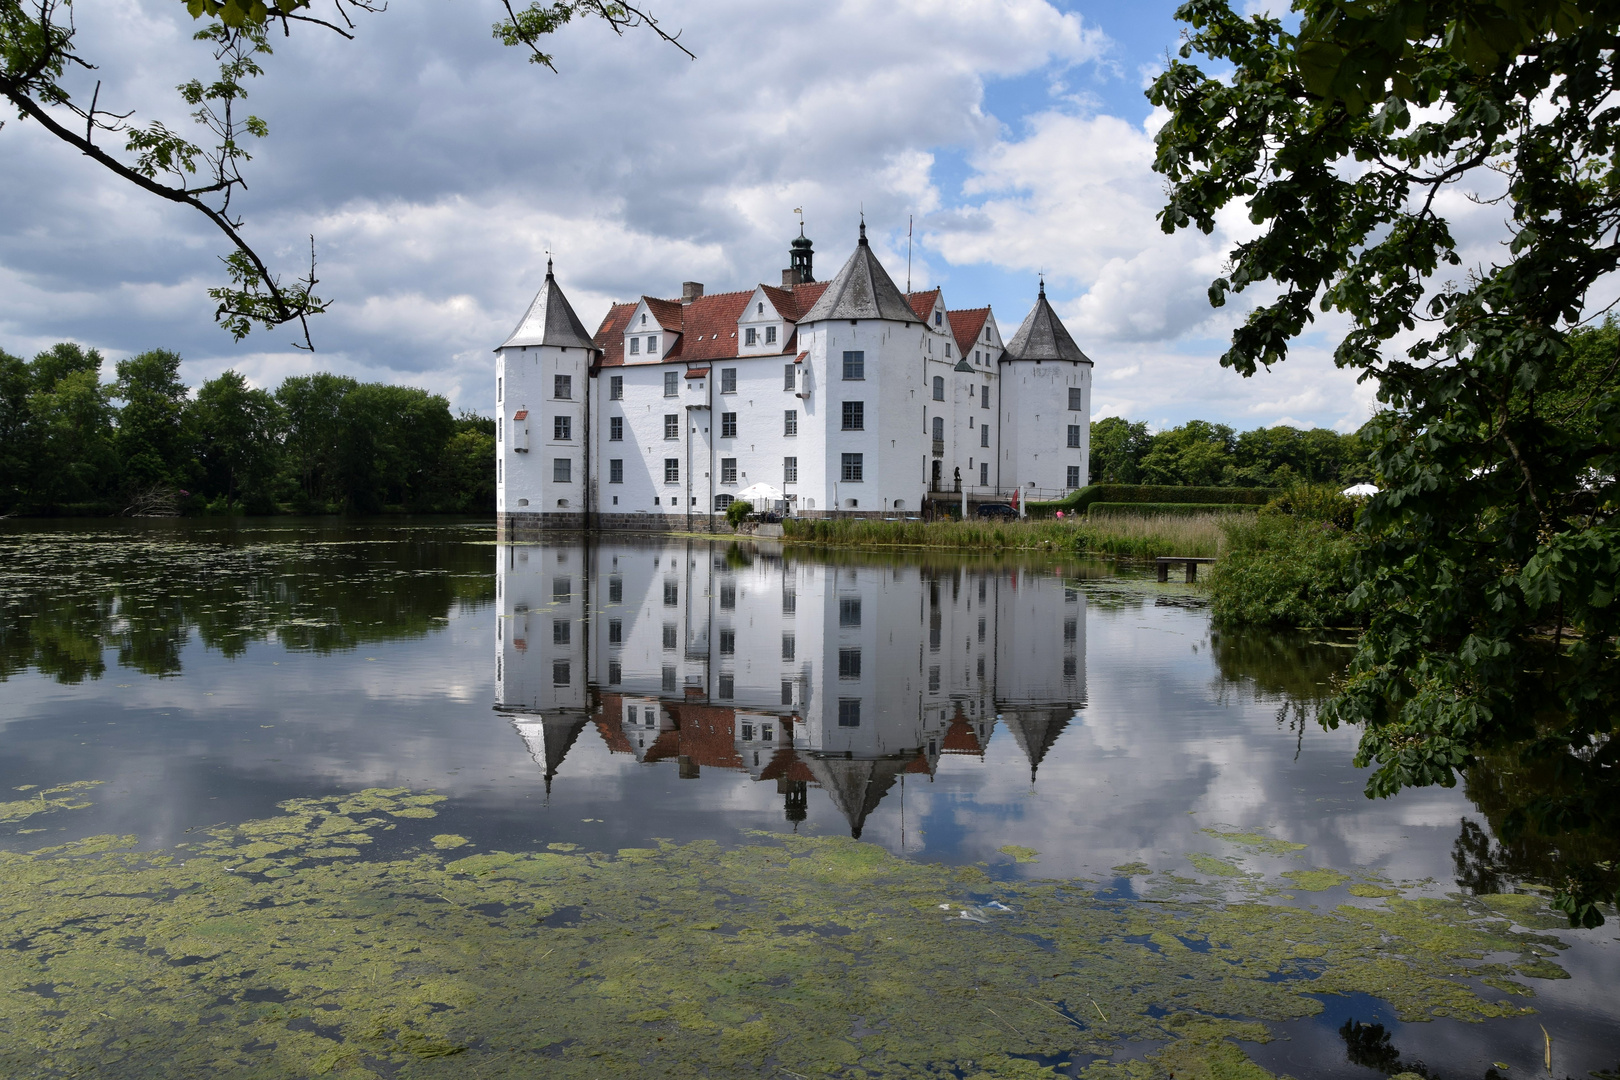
(692, 655)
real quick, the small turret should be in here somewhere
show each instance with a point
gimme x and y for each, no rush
(801, 258)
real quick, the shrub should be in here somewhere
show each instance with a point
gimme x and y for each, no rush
(1315, 502)
(1163, 509)
(737, 510)
(1151, 493)
(1283, 570)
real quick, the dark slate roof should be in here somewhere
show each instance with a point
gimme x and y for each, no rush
(1035, 730)
(857, 785)
(550, 320)
(1043, 336)
(862, 290)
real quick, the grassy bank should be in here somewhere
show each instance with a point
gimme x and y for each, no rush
(1135, 536)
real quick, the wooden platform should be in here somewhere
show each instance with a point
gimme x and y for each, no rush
(1192, 562)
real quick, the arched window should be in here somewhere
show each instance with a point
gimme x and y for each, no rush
(939, 427)
(939, 388)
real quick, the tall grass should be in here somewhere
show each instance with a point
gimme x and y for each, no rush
(1136, 536)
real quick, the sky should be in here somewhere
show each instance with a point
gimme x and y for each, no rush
(435, 169)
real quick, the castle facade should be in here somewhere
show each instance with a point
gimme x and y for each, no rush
(846, 398)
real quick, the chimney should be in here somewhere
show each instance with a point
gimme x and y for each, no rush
(690, 291)
(790, 277)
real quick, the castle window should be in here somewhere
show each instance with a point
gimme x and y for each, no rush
(790, 599)
(562, 428)
(644, 319)
(669, 679)
(1071, 631)
(853, 468)
(728, 690)
(770, 335)
(790, 422)
(947, 350)
(939, 318)
(790, 470)
(635, 346)
(854, 366)
(939, 388)
(671, 637)
(750, 336)
(1073, 479)
(728, 643)
(615, 429)
(1074, 435)
(562, 387)
(562, 589)
(728, 380)
(728, 425)
(788, 646)
(854, 416)
(497, 391)
(561, 631)
(1076, 398)
(615, 590)
(728, 470)
(652, 344)
(615, 673)
(939, 429)
(562, 470)
(672, 384)
(849, 663)
(615, 631)
(616, 388)
(672, 594)
(849, 712)
(984, 435)
(933, 680)
(559, 673)
(759, 309)
(616, 471)
(672, 470)
(789, 378)
(984, 474)
(984, 397)
(672, 425)
(849, 611)
(787, 692)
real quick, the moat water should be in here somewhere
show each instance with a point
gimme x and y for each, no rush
(1044, 719)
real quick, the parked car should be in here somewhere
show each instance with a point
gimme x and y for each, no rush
(996, 510)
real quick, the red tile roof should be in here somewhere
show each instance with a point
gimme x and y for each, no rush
(707, 326)
(696, 373)
(960, 738)
(923, 303)
(967, 325)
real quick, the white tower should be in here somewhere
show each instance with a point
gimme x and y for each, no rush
(1046, 406)
(542, 405)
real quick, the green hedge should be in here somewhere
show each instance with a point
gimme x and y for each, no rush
(1154, 493)
(1162, 509)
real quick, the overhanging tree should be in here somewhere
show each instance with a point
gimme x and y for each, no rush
(1493, 556)
(48, 81)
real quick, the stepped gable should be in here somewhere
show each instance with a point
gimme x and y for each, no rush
(923, 303)
(1042, 336)
(1035, 730)
(550, 320)
(862, 290)
(966, 326)
(857, 785)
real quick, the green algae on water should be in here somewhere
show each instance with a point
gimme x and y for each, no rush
(1019, 853)
(1315, 880)
(287, 947)
(68, 797)
(1260, 842)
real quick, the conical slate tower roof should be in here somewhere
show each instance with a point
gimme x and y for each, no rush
(1042, 336)
(549, 740)
(1035, 730)
(856, 785)
(862, 290)
(550, 320)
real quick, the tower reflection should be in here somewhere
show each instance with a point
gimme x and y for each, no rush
(800, 673)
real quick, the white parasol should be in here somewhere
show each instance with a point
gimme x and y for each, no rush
(1360, 491)
(760, 494)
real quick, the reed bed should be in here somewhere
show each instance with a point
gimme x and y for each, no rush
(1139, 536)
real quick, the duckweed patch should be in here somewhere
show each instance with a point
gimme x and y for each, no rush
(275, 948)
(1019, 853)
(1315, 880)
(1260, 842)
(40, 801)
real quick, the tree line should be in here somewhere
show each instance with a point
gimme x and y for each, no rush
(1202, 454)
(71, 443)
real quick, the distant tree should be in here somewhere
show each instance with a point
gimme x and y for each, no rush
(238, 429)
(154, 438)
(1117, 449)
(1196, 453)
(314, 439)
(71, 431)
(16, 458)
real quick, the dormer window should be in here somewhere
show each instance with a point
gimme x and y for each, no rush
(652, 344)
(635, 346)
(750, 336)
(770, 335)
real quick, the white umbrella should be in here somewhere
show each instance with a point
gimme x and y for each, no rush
(760, 494)
(1360, 491)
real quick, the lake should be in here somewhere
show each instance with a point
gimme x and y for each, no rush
(1005, 735)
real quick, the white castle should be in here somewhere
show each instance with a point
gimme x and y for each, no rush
(848, 397)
